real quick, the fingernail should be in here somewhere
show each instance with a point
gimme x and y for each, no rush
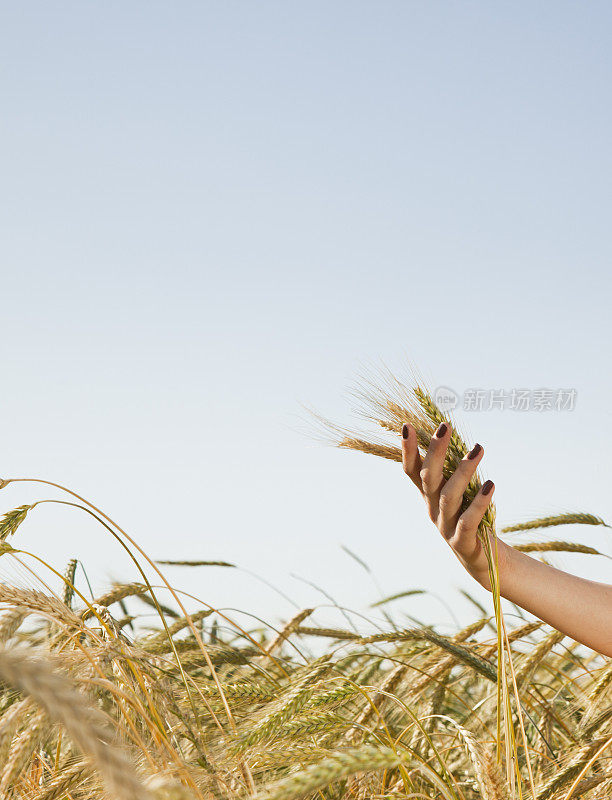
(405, 431)
(486, 487)
(474, 451)
(441, 430)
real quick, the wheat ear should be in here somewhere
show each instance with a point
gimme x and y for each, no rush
(569, 518)
(86, 726)
(339, 765)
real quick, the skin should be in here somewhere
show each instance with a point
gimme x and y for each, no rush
(580, 608)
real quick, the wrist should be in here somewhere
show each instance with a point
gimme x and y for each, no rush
(502, 555)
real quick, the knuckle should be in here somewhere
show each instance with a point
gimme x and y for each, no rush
(445, 505)
(458, 544)
(462, 528)
(447, 498)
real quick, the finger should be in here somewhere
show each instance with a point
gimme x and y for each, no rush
(432, 476)
(411, 458)
(465, 542)
(451, 496)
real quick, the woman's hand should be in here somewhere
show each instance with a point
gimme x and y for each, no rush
(575, 606)
(444, 498)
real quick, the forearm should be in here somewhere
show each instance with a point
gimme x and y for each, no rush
(580, 608)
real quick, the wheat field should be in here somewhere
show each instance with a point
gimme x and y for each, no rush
(93, 705)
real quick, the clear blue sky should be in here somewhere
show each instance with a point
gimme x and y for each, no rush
(213, 212)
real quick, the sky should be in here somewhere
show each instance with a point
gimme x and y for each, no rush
(215, 214)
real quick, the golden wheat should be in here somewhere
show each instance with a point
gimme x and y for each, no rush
(97, 705)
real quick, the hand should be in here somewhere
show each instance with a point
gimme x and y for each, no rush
(444, 499)
(575, 606)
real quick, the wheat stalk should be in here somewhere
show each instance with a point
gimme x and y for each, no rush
(63, 704)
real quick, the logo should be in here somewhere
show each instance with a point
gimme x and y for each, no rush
(445, 398)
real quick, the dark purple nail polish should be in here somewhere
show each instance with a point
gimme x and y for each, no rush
(441, 430)
(405, 431)
(474, 451)
(486, 487)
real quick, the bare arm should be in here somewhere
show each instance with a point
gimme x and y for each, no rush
(580, 608)
(575, 606)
